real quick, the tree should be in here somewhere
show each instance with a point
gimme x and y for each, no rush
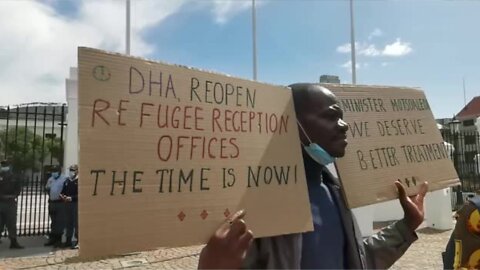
(27, 150)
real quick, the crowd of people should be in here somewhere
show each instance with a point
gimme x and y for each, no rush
(62, 205)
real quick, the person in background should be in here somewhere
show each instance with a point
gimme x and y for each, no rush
(10, 188)
(69, 195)
(463, 248)
(56, 207)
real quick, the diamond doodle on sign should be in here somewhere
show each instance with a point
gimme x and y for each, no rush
(226, 213)
(181, 216)
(204, 214)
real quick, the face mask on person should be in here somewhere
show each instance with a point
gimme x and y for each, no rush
(315, 151)
(4, 168)
(55, 174)
(72, 174)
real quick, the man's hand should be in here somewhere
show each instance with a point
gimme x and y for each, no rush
(228, 247)
(413, 205)
(65, 198)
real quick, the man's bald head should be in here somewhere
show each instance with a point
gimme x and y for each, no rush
(307, 95)
(320, 116)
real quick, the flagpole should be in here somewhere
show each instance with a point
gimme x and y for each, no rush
(127, 35)
(254, 40)
(352, 45)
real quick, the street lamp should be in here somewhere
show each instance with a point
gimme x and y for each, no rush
(454, 126)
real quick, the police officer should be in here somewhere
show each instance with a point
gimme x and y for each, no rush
(10, 188)
(56, 207)
(70, 196)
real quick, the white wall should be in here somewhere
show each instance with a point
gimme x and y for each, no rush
(71, 143)
(386, 211)
(438, 211)
(31, 126)
(364, 216)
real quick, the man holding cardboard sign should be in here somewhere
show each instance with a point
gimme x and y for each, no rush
(336, 241)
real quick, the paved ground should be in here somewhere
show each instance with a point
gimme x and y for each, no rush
(424, 254)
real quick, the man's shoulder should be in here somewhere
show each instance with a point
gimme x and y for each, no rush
(69, 180)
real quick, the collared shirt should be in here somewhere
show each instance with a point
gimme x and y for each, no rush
(54, 187)
(324, 248)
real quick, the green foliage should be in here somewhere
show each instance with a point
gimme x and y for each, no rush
(25, 150)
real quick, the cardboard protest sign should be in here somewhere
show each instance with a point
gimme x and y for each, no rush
(392, 136)
(168, 152)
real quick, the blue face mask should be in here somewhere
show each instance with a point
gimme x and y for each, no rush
(55, 174)
(72, 174)
(319, 154)
(316, 152)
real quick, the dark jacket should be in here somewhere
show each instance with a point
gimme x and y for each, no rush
(70, 188)
(378, 251)
(10, 186)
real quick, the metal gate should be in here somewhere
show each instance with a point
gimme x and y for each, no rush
(464, 147)
(32, 138)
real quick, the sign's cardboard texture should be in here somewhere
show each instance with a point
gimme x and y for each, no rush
(167, 152)
(392, 136)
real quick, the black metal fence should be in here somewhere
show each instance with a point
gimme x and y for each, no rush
(464, 147)
(32, 138)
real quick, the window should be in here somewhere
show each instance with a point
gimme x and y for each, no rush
(470, 157)
(470, 139)
(468, 123)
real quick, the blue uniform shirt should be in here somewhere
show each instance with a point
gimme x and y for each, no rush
(55, 186)
(324, 248)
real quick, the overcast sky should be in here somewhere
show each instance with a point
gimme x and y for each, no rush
(426, 44)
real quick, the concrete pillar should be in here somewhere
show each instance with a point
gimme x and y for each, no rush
(388, 211)
(71, 142)
(438, 209)
(364, 216)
